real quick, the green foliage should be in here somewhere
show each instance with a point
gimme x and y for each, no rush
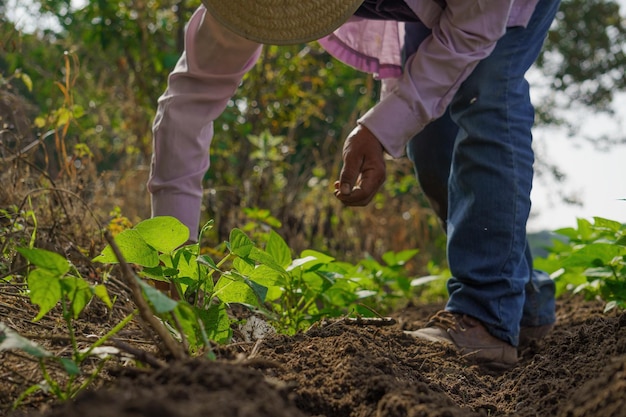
(292, 293)
(592, 260)
(17, 75)
(432, 288)
(53, 281)
(588, 39)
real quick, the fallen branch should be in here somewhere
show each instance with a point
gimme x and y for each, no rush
(145, 311)
(369, 321)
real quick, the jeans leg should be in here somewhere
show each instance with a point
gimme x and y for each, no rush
(539, 303)
(490, 181)
(431, 154)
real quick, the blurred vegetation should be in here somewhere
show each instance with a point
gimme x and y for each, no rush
(90, 91)
(589, 259)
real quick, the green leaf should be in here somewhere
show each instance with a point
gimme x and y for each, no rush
(264, 275)
(216, 323)
(239, 243)
(321, 257)
(371, 264)
(70, 366)
(270, 279)
(28, 82)
(400, 258)
(156, 273)
(208, 261)
(50, 261)
(548, 265)
(160, 302)
(134, 249)
(63, 116)
(278, 249)
(600, 272)
(259, 290)
(590, 254)
(44, 290)
(234, 289)
(78, 111)
(611, 225)
(188, 323)
(243, 266)
(585, 229)
(568, 232)
(10, 339)
(101, 292)
(78, 292)
(315, 283)
(264, 258)
(164, 233)
(310, 259)
(189, 267)
(617, 289)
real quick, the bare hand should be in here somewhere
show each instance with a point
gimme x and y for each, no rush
(363, 169)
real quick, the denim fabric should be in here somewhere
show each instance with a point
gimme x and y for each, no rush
(476, 165)
(396, 10)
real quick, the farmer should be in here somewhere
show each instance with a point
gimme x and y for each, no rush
(460, 109)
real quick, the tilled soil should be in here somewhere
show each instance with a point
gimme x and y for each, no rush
(340, 369)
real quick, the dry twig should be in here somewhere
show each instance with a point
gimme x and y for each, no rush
(144, 309)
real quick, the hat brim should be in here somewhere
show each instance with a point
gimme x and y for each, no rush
(281, 22)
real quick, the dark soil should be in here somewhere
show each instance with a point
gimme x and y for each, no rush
(346, 370)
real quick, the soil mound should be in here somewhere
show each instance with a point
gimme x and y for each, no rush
(342, 369)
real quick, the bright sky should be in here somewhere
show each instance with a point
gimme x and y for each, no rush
(597, 179)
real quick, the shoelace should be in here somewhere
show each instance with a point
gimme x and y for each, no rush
(446, 320)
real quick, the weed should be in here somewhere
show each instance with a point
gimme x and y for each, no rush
(52, 281)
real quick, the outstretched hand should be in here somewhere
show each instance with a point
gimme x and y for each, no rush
(363, 169)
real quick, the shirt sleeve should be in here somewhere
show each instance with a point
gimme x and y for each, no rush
(466, 33)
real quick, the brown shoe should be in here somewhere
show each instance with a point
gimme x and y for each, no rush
(470, 338)
(530, 334)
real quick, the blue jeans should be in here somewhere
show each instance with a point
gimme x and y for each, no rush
(475, 164)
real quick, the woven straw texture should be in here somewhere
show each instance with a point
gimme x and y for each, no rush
(282, 21)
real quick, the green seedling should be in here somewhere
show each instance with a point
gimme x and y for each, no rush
(590, 260)
(291, 293)
(54, 281)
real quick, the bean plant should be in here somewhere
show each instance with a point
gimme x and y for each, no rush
(590, 259)
(292, 293)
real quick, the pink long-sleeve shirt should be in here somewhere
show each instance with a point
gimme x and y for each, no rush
(463, 33)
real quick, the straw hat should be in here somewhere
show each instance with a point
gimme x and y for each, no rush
(282, 21)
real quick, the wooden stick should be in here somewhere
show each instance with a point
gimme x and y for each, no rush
(145, 311)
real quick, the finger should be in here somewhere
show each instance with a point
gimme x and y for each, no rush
(365, 189)
(350, 172)
(358, 198)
